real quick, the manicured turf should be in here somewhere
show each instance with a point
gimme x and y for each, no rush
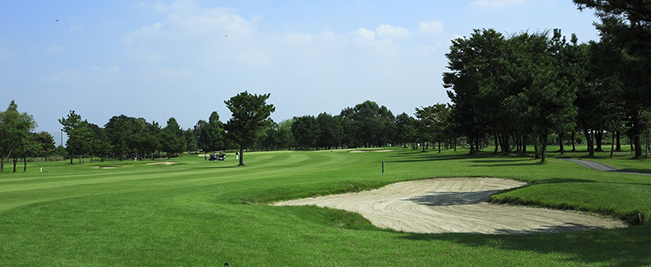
(201, 213)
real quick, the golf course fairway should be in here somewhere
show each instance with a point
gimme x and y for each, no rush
(187, 211)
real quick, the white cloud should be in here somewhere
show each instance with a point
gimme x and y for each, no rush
(254, 59)
(53, 49)
(390, 31)
(163, 75)
(5, 53)
(49, 50)
(496, 3)
(365, 33)
(69, 75)
(75, 28)
(182, 5)
(430, 27)
(142, 34)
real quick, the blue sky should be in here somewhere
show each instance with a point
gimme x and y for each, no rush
(182, 59)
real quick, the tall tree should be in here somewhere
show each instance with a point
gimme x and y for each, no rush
(368, 124)
(79, 135)
(120, 131)
(406, 127)
(626, 28)
(285, 137)
(330, 131)
(45, 144)
(190, 140)
(15, 128)
(305, 131)
(472, 79)
(99, 144)
(551, 96)
(250, 114)
(173, 138)
(434, 122)
(215, 132)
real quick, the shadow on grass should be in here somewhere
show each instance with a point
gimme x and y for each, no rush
(636, 171)
(513, 164)
(563, 180)
(214, 167)
(621, 247)
(432, 156)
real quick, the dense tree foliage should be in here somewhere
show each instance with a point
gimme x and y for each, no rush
(367, 124)
(15, 141)
(625, 45)
(305, 131)
(434, 123)
(534, 86)
(406, 130)
(250, 116)
(173, 138)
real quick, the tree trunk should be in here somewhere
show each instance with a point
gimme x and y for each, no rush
(72, 157)
(506, 143)
(439, 146)
(599, 136)
(241, 156)
(573, 141)
(543, 147)
(589, 142)
(15, 162)
(612, 146)
(619, 144)
(561, 142)
(536, 151)
(496, 143)
(636, 132)
(637, 142)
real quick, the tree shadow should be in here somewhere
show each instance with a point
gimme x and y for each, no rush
(619, 247)
(453, 198)
(563, 180)
(425, 157)
(418, 157)
(635, 171)
(514, 164)
(215, 167)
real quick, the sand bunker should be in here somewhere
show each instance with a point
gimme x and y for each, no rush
(104, 167)
(162, 163)
(364, 151)
(455, 205)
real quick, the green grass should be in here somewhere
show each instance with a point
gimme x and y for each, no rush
(201, 213)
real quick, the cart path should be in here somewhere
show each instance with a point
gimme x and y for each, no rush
(602, 167)
(455, 205)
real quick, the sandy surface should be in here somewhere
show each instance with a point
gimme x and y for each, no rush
(162, 163)
(364, 151)
(104, 168)
(455, 205)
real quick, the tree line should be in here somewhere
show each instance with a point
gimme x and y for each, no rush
(519, 90)
(523, 88)
(250, 128)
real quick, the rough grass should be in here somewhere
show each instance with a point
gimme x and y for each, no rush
(201, 213)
